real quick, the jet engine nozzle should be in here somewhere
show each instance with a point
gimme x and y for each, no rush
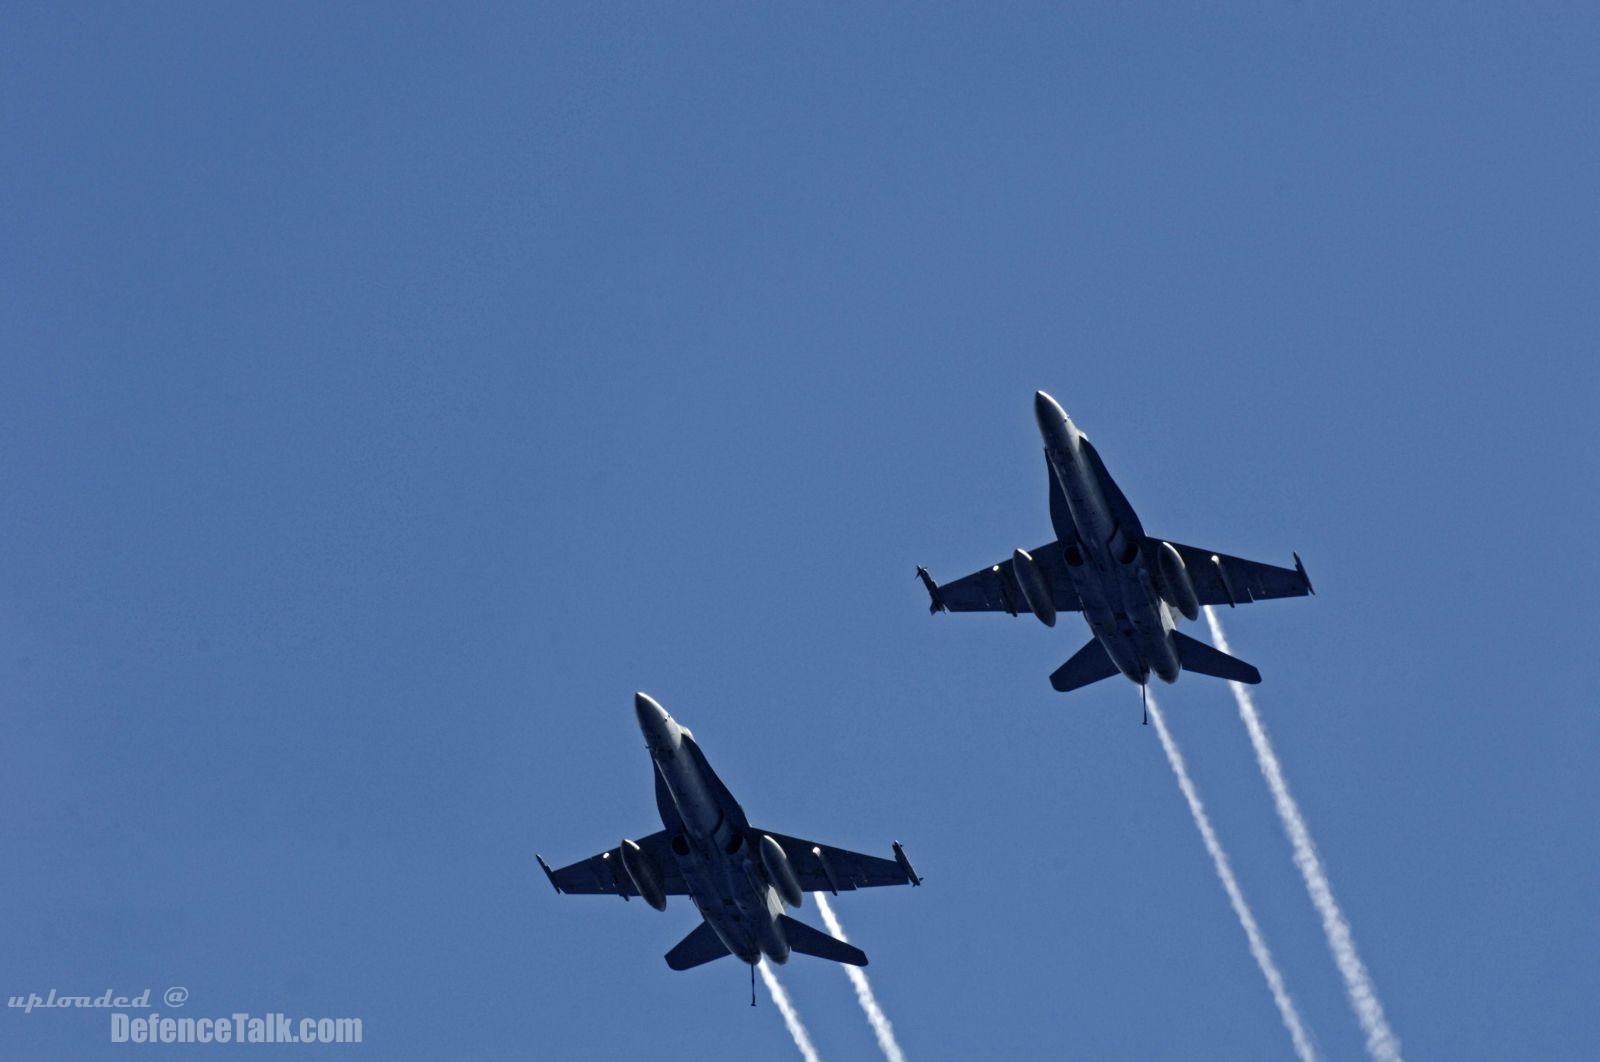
(1176, 586)
(643, 874)
(1034, 589)
(781, 872)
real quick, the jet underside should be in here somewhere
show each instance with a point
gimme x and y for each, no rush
(739, 878)
(1130, 588)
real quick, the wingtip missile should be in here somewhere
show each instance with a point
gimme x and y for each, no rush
(1301, 568)
(936, 603)
(905, 864)
(547, 872)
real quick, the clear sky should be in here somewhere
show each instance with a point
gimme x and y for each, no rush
(387, 392)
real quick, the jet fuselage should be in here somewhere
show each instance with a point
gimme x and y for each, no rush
(1100, 537)
(711, 842)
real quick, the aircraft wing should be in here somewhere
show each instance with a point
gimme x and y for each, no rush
(823, 868)
(995, 589)
(1223, 580)
(605, 874)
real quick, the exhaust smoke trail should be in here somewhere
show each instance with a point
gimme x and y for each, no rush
(1230, 885)
(791, 1017)
(881, 1028)
(1381, 1041)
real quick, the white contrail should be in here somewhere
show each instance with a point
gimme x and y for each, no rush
(881, 1028)
(1230, 885)
(791, 1017)
(1381, 1041)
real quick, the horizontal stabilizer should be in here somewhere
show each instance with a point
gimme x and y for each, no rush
(808, 941)
(1202, 659)
(698, 948)
(1089, 664)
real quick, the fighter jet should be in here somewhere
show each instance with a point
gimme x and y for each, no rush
(1129, 587)
(739, 878)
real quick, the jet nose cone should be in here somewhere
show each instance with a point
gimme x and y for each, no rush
(1054, 424)
(654, 721)
(649, 712)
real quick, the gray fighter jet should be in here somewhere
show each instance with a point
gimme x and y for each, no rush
(1129, 587)
(739, 877)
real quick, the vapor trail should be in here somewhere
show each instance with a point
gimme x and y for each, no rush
(881, 1028)
(1381, 1041)
(791, 1017)
(1230, 885)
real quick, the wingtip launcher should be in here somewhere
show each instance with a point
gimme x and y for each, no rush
(1301, 568)
(936, 603)
(548, 872)
(905, 864)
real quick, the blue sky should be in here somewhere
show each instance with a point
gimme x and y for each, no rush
(387, 393)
